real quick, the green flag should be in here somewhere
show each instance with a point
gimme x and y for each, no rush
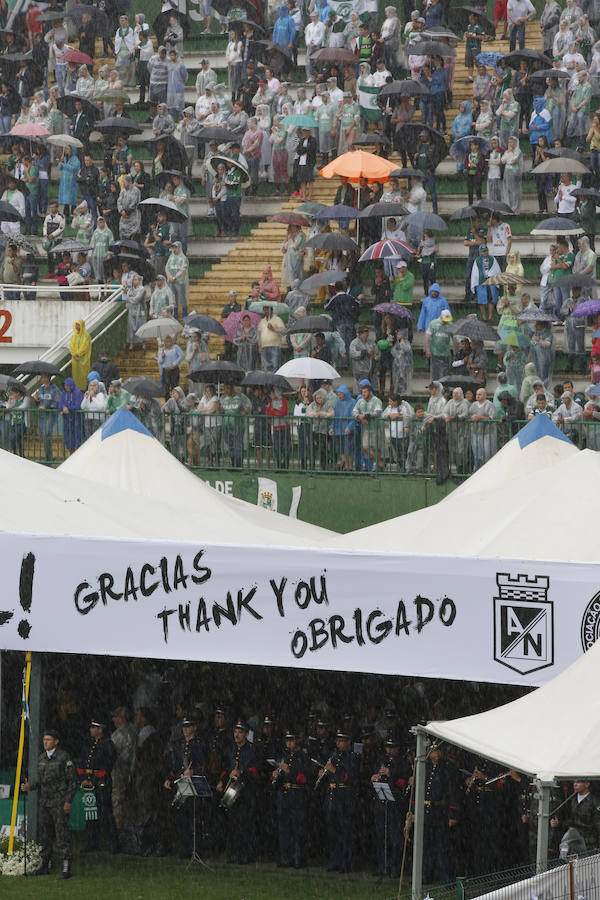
(343, 8)
(367, 100)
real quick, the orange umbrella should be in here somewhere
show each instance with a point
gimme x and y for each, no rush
(359, 164)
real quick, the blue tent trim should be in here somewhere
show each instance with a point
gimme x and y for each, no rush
(123, 420)
(539, 427)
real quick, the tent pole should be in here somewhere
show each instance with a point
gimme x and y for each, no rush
(543, 792)
(419, 783)
(35, 738)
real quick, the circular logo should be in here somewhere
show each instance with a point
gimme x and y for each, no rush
(590, 624)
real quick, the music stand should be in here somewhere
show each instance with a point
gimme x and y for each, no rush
(384, 793)
(194, 786)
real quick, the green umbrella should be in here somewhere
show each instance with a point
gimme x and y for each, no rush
(309, 208)
(515, 339)
(300, 121)
(279, 309)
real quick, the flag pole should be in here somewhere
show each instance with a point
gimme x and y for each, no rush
(24, 716)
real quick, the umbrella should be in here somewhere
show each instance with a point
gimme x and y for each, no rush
(140, 265)
(409, 137)
(338, 212)
(289, 218)
(582, 281)
(587, 308)
(514, 59)
(460, 381)
(8, 383)
(314, 282)
(175, 155)
(143, 387)
(174, 214)
(297, 120)
(270, 54)
(312, 324)
(129, 247)
(307, 367)
(66, 105)
(397, 89)
(551, 73)
(359, 164)
(77, 11)
(266, 379)
(507, 278)
(29, 129)
(21, 241)
(234, 320)
(116, 124)
(461, 147)
(438, 33)
(515, 339)
(552, 227)
(220, 370)
(386, 249)
(108, 96)
(407, 173)
(587, 192)
(159, 328)
(64, 140)
(489, 58)
(223, 7)
(77, 57)
(215, 133)
(279, 309)
(428, 220)
(333, 241)
(594, 390)
(70, 247)
(430, 48)
(310, 208)
(334, 55)
(218, 158)
(36, 367)
(367, 140)
(8, 213)
(204, 323)
(239, 23)
(393, 309)
(51, 15)
(531, 314)
(474, 329)
(460, 15)
(167, 174)
(493, 206)
(376, 210)
(465, 212)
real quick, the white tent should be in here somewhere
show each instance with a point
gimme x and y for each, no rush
(123, 454)
(524, 517)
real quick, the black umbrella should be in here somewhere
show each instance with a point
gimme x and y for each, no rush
(220, 370)
(51, 15)
(460, 16)
(218, 158)
(172, 212)
(142, 266)
(333, 55)
(166, 175)
(566, 153)
(551, 73)
(493, 206)
(98, 16)
(378, 210)
(333, 241)
(311, 324)
(408, 136)
(175, 155)
(581, 281)
(66, 105)
(70, 247)
(515, 58)
(204, 323)
(331, 276)
(270, 54)
(215, 133)
(8, 383)
(586, 192)
(430, 48)
(407, 173)
(474, 329)
(8, 213)
(160, 26)
(266, 379)
(132, 247)
(395, 90)
(428, 220)
(364, 140)
(461, 381)
(238, 25)
(339, 212)
(465, 212)
(223, 7)
(117, 124)
(36, 367)
(143, 387)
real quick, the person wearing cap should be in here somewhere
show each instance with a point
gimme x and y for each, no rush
(441, 814)
(367, 411)
(240, 765)
(363, 353)
(94, 769)
(392, 769)
(340, 776)
(438, 344)
(187, 759)
(57, 784)
(291, 780)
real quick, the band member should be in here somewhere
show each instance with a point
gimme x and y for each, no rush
(94, 768)
(187, 759)
(237, 784)
(395, 771)
(291, 779)
(441, 814)
(340, 774)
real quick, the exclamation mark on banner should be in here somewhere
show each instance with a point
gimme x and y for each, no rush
(26, 592)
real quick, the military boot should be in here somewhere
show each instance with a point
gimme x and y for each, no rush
(66, 869)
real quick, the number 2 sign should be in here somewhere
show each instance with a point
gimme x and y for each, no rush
(5, 324)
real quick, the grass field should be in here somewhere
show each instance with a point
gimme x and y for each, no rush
(100, 877)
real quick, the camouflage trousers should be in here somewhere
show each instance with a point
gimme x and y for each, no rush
(53, 830)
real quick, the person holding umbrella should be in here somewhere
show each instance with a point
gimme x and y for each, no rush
(424, 161)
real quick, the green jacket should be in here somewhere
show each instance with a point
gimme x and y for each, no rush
(57, 778)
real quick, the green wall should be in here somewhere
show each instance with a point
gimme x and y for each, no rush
(339, 502)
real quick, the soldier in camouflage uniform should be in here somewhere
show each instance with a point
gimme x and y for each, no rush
(57, 784)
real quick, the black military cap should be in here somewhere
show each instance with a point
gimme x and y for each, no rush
(219, 711)
(268, 720)
(392, 740)
(390, 713)
(290, 735)
(187, 722)
(97, 722)
(367, 732)
(241, 724)
(50, 732)
(322, 723)
(342, 735)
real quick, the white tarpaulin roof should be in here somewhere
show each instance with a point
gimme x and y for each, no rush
(553, 732)
(124, 455)
(545, 513)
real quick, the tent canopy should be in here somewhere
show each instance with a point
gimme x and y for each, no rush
(123, 454)
(552, 732)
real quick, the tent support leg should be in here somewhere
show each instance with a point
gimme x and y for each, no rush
(417, 867)
(541, 862)
(35, 739)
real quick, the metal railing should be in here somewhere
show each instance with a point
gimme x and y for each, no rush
(51, 290)
(256, 442)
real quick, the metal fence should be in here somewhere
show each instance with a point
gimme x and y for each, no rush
(304, 444)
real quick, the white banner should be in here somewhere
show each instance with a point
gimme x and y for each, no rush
(474, 619)
(28, 327)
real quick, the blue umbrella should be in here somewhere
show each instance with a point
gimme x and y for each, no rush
(586, 308)
(594, 391)
(489, 58)
(461, 147)
(338, 212)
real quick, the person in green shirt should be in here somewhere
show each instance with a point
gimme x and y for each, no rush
(474, 35)
(367, 411)
(117, 397)
(233, 406)
(233, 202)
(32, 180)
(438, 342)
(562, 260)
(403, 285)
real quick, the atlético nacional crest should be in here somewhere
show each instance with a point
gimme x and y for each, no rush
(523, 623)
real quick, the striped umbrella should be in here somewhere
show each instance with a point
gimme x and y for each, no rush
(386, 249)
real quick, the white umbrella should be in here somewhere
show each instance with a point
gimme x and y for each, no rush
(307, 367)
(64, 140)
(159, 328)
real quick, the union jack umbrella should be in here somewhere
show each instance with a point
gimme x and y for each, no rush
(386, 249)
